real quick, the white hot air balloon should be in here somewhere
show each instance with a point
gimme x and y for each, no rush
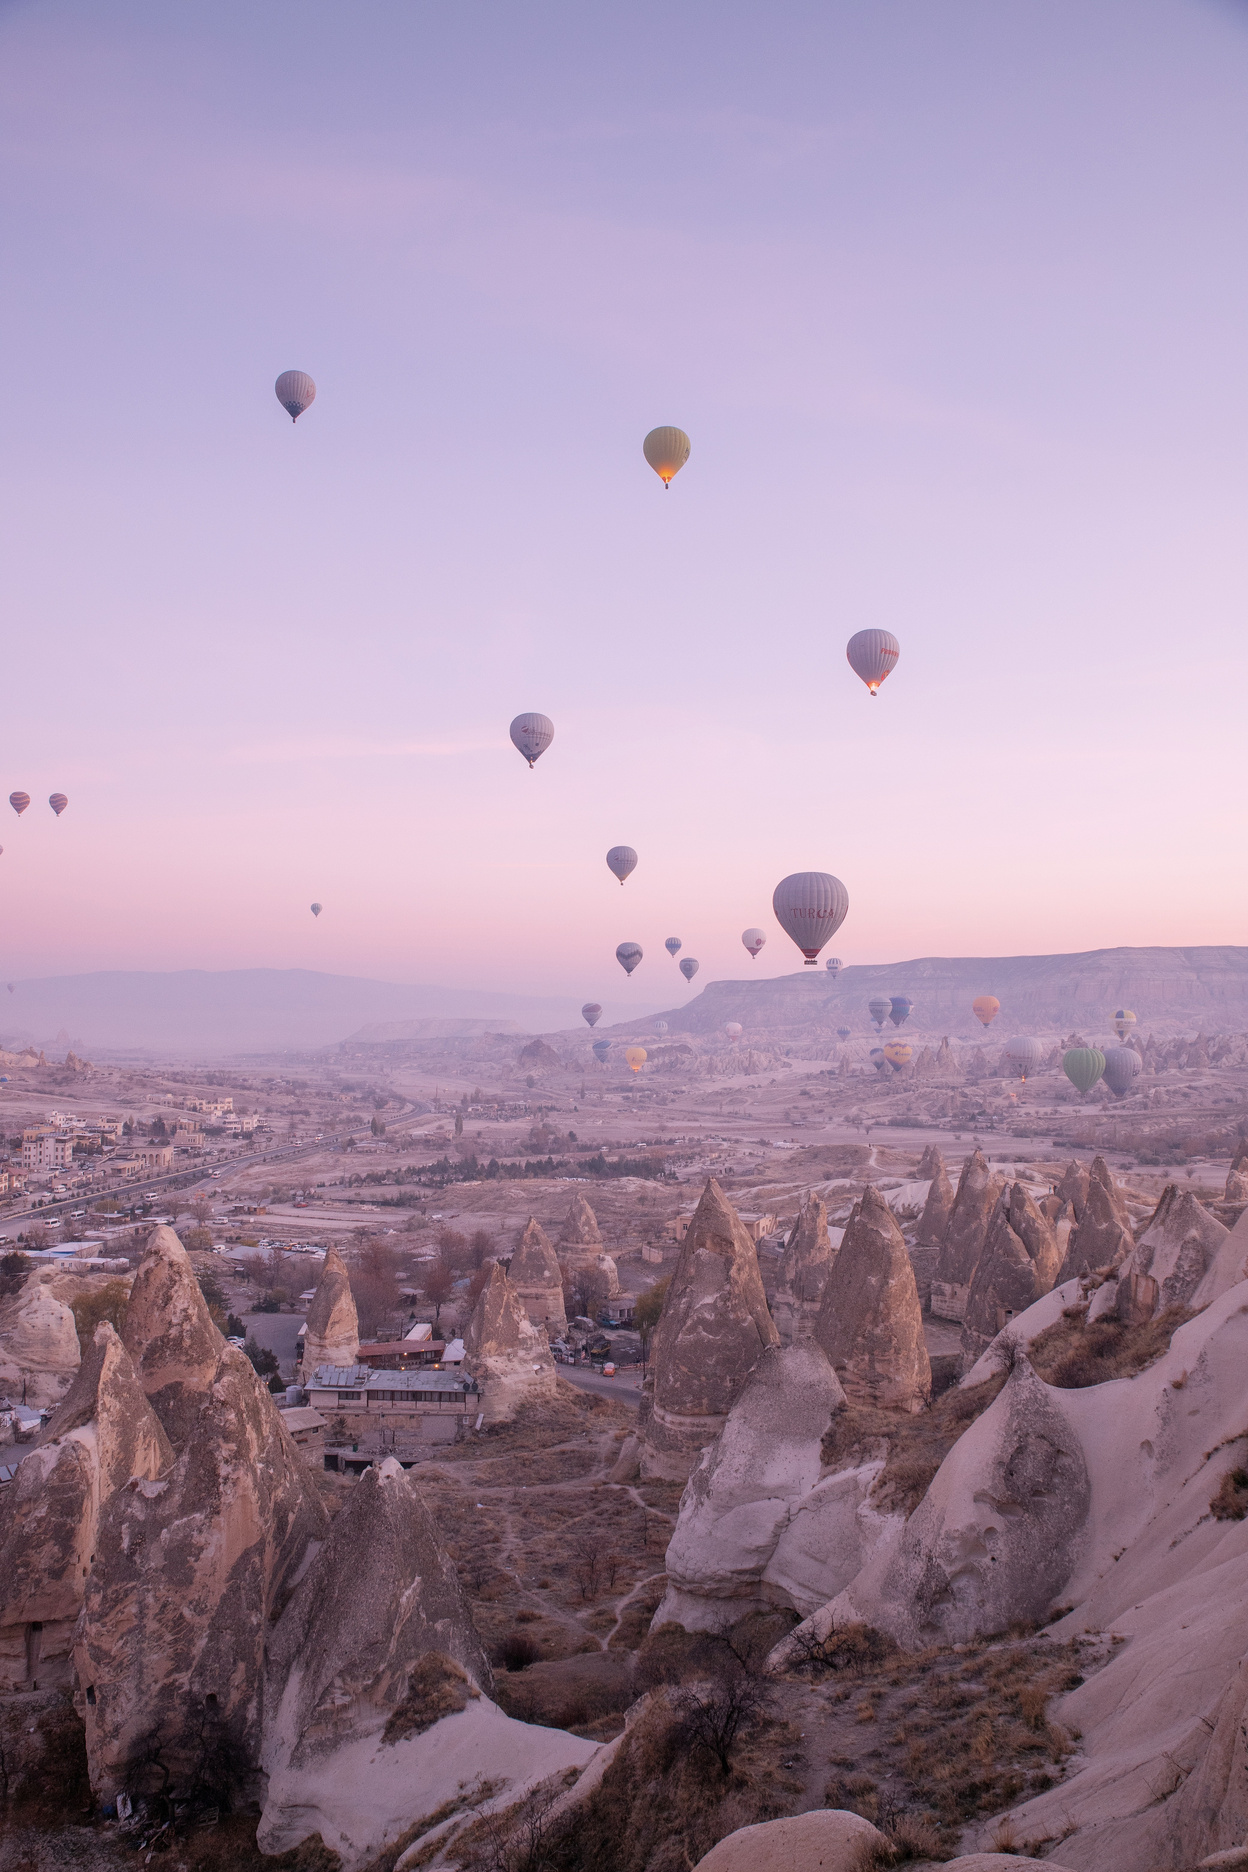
(667, 451)
(295, 391)
(532, 734)
(872, 655)
(628, 955)
(621, 861)
(753, 940)
(810, 906)
(733, 1029)
(660, 1026)
(834, 965)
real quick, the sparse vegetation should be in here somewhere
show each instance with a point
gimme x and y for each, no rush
(1230, 1502)
(1072, 1354)
(108, 1302)
(916, 1442)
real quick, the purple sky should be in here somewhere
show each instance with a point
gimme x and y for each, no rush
(951, 299)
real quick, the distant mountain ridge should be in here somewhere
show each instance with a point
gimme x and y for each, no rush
(1169, 990)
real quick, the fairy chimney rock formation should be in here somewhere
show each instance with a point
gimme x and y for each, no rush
(939, 1205)
(1236, 1186)
(581, 1251)
(505, 1352)
(1018, 1266)
(931, 1163)
(1073, 1187)
(535, 1274)
(870, 1323)
(1102, 1236)
(712, 1331)
(39, 1353)
(965, 1234)
(169, 1334)
(333, 1328)
(1178, 1247)
(808, 1258)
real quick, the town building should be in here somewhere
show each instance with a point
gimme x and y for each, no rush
(44, 1148)
(369, 1399)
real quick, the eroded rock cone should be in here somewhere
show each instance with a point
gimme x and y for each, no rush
(713, 1329)
(965, 1234)
(870, 1323)
(1100, 1238)
(580, 1228)
(1036, 1233)
(808, 1259)
(190, 1571)
(505, 1352)
(1073, 1188)
(333, 1326)
(103, 1435)
(938, 1207)
(1102, 1174)
(170, 1336)
(1236, 1186)
(38, 1343)
(931, 1163)
(536, 1276)
(1017, 1268)
(1178, 1247)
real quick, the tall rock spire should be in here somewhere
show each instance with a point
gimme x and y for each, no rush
(333, 1328)
(870, 1322)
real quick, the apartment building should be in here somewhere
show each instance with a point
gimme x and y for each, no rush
(44, 1149)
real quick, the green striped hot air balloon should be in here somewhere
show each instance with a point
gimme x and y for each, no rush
(1083, 1066)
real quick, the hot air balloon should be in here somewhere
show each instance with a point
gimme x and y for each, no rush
(628, 955)
(592, 1012)
(667, 451)
(621, 860)
(1124, 1021)
(1122, 1067)
(688, 967)
(19, 802)
(898, 1054)
(877, 1058)
(810, 906)
(733, 1029)
(295, 390)
(316, 909)
(872, 655)
(842, 1033)
(878, 1008)
(1023, 1055)
(672, 945)
(753, 940)
(1083, 1066)
(601, 1049)
(899, 1007)
(58, 802)
(834, 965)
(636, 1057)
(660, 1026)
(532, 734)
(986, 1008)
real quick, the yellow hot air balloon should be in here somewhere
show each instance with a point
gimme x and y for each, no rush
(986, 1008)
(898, 1054)
(667, 451)
(1124, 1021)
(636, 1057)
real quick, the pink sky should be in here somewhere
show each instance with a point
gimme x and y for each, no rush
(951, 302)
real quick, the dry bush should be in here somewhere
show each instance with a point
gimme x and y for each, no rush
(917, 1442)
(108, 1302)
(1230, 1502)
(1072, 1354)
(436, 1687)
(569, 1693)
(853, 1650)
(374, 1274)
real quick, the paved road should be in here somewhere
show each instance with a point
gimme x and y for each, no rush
(626, 1390)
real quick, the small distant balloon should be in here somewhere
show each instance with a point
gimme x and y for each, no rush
(660, 1026)
(753, 940)
(810, 906)
(879, 1008)
(601, 1049)
(58, 802)
(985, 1009)
(733, 1029)
(842, 1033)
(19, 802)
(898, 1054)
(295, 390)
(1122, 1068)
(621, 861)
(1083, 1066)
(1023, 1054)
(876, 1056)
(899, 1007)
(316, 909)
(667, 451)
(688, 967)
(628, 955)
(672, 945)
(872, 655)
(1124, 1021)
(636, 1057)
(532, 734)
(592, 1012)
(834, 965)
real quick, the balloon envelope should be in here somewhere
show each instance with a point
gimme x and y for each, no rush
(986, 1008)
(628, 955)
(899, 1007)
(1122, 1068)
(19, 802)
(532, 734)
(753, 940)
(834, 965)
(601, 1049)
(58, 802)
(1023, 1054)
(667, 450)
(877, 1058)
(872, 654)
(660, 1026)
(1083, 1066)
(898, 1054)
(316, 909)
(672, 945)
(842, 1033)
(592, 1012)
(688, 967)
(621, 860)
(878, 1008)
(733, 1029)
(1124, 1021)
(636, 1057)
(810, 906)
(295, 390)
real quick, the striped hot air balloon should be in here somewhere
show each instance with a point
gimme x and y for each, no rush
(667, 451)
(1083, 1066)
(19, 802)
(810, 906)
(672, 945)
(1124, 1021)
(872, 654)
(834, 965)
(592, 1012)
(295, 390)
(58, 802)
(688, 967)
(1023, 1055)
(878, 1008)
(532, 734)
(628, 955)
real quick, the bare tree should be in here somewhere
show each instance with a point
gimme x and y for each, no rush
(586, 1550)
(437, 1285)
(716, 1713)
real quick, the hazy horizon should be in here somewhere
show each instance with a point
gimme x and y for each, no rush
(951, 305)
